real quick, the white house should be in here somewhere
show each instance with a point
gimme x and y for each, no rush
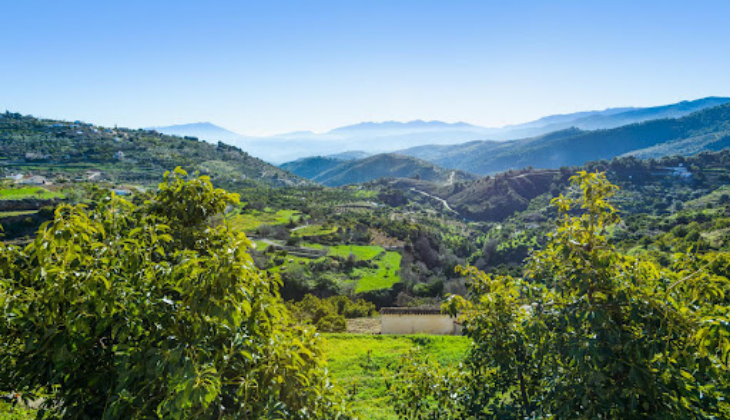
(417, 320)
(34, 180)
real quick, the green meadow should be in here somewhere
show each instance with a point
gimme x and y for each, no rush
(359, 362)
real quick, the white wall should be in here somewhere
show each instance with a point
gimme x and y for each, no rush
(412, 324)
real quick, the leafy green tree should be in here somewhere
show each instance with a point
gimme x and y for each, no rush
(329, 315)
(421, 389)
(588, 332)
(150, 311)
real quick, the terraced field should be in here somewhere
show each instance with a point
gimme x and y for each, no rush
(28, 192)
(385, 276)
(249, 221)
(383, 273)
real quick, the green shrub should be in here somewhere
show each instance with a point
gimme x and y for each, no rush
(312, 309)
(131, 312)
(332, 323)
(587, 333)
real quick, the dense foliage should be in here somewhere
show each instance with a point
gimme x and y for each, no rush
(127, 311)
(330, 314)
(587, 332)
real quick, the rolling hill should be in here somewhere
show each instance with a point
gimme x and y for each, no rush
(488, 198)
(311, 167)
(336, 173)
(29, 144)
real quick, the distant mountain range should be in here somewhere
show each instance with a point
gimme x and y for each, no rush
(368, 137)
(705, 130)
(395, 127)
(609, 118)
(350, 154)
(708, 129)
(390, 136)
(201, 130)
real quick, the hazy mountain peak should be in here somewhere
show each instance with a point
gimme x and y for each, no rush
(408, 125)
(350, 155)
(388, 136)
(203, 130)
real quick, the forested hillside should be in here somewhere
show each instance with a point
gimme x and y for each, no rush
(61, 147)
(493, 198)
(332, 172)
(311, 167)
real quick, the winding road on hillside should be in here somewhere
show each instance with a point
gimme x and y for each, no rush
(446, 205)
(452, 175)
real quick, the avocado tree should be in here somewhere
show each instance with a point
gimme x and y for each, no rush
(125, 311)
(587, 333)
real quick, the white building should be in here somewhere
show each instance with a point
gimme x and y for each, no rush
(34, 180)
(417, 320)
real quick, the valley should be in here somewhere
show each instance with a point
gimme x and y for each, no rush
(365, 210)
(392, 229)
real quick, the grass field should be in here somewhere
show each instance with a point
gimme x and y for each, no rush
(363, 252)
(383, 277)
(314, 230)
(291, 260)
(358, 362)
(248, 221)
(28, 192)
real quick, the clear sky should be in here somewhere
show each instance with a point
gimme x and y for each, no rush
(276, 66)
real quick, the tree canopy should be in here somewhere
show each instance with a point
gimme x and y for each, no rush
(154, 310)
(586, 333)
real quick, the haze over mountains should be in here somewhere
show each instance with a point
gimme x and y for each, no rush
(708, 129)
(201, 130)
(705, 130)
(389, 136)
(450, 172)
(369, 137)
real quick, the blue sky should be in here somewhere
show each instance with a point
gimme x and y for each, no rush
(276, 66)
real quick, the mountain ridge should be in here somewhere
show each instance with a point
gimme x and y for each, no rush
(202, 130)
(702, 130)
(392, 136)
